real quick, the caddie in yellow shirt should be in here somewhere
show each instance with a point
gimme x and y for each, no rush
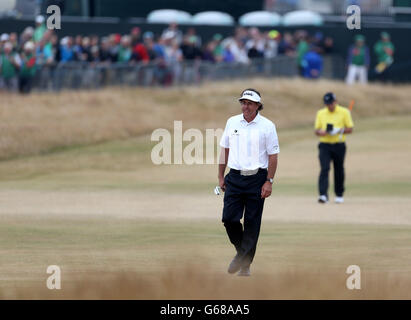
(332, 124)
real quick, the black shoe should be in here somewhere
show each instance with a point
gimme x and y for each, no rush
(244, 272)
(235, 264)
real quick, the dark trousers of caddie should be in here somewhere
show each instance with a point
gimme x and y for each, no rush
(242, 197)
(334, 152)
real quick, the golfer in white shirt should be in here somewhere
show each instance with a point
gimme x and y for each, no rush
(250, 149)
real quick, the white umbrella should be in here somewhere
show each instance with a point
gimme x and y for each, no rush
(216, 18)
(302, 17)
(260, 19)
(169, 16)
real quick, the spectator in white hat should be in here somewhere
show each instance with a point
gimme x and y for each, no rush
(44, 50)
(27, 35)
(125, 50)
(66, 49)
(4, 37)
(174, 31)
(40, 29)
(28, 68)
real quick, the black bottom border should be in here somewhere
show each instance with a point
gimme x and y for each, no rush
(204, 309)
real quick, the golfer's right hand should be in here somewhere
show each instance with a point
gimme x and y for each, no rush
(221, 183)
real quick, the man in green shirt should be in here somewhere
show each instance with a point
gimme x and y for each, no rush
(302, 49)
(39, 30)
(384, 50)
(9, 65)
(124, 51)
(358, 61)
(219, 49)
(28, 68)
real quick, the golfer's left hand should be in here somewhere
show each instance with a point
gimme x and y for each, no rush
(266, 190)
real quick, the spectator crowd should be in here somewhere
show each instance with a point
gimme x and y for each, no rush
(358, 59)
(37, 47)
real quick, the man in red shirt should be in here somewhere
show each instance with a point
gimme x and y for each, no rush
(139, 50)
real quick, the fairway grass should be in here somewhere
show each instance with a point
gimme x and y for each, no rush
(44, 122)
(377, 164)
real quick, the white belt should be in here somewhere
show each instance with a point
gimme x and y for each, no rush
(248, 172)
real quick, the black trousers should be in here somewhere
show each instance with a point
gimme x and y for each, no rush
(243, 198)
(25, 84)
(336, 153)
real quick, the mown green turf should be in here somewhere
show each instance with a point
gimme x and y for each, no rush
(377, 147)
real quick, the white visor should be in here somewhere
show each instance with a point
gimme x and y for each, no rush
(250, 95)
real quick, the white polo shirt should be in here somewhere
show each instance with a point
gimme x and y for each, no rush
(250, 143)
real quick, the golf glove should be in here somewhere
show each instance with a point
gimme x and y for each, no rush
(336, 131)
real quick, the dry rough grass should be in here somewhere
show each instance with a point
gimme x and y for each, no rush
(42, 122)
(191, 283)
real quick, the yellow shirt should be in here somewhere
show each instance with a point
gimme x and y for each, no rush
(339, 118)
